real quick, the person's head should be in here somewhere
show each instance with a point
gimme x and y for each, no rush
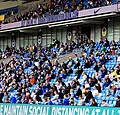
(65, 96)
(92, 100)
(55, 92)
(80, 97)
(118, 98)
(75, 55)
(78, 86)
(103, 102)
(86, 82)
(95, 87)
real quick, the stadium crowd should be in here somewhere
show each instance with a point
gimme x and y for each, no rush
(54, 7)
(32, 77)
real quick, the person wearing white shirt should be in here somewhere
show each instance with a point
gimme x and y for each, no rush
(84, 77)
(95, 92)
(55, 97)
(104, 104)
(81, 101)
(87, 84)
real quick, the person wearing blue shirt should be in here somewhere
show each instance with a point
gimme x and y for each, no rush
(66, 100)
(12, 99)
(49, 101)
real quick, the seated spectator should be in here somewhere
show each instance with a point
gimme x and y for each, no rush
(54, 54)
(77, 64)
(12, 99)
(101, 74)
(104, 104)
(103, 49)
(93, 102)
(88, 95)
(72, 102)
(93, 59)
(106, 83)
(104, 69)
(110, 91)
(84, 77)
(87, 85)
(55, 97)
(117, 101)
(1, 95)
(78, 92)
(95, 92)
(87, 63)
(49, 101)
(81, 101)
(79, 72)
(66, 100)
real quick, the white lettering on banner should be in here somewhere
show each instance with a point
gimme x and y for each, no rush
(82, 111)
(93, 112)
(15, 110)
(53, 110)
(103, 113)
(119, 112)
(108, 112)
(1, 109)
(30, 110)
(33, 110)
(23, 110)
(97, 111)
(112, 112)
(70, 111)
(87, 112)
(59, 113)
(66, 111)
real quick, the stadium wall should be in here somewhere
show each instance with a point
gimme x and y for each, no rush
(114, 29)
(29, 37)
(22, 109)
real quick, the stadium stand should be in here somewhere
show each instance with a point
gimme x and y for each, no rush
(54, 7)
(93, 79)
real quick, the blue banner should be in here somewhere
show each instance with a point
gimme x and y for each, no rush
(55, 18)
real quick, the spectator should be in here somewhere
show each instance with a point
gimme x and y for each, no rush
(117, 101)
(81, 101)
(1, 95)
(66, 100)
(95, 92)
(93, 102)
(88, 95)
(12, 99)
(104, 104)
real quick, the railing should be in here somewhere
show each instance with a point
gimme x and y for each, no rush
(83, 37)
(33, 109)
(81, 15)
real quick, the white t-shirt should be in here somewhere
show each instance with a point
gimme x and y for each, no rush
(95, 92)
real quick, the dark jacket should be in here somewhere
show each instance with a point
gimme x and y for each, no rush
(117, 103)
(94, 104)
(88, 96)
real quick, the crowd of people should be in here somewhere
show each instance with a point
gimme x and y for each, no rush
(54, 7)
(32, 77)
